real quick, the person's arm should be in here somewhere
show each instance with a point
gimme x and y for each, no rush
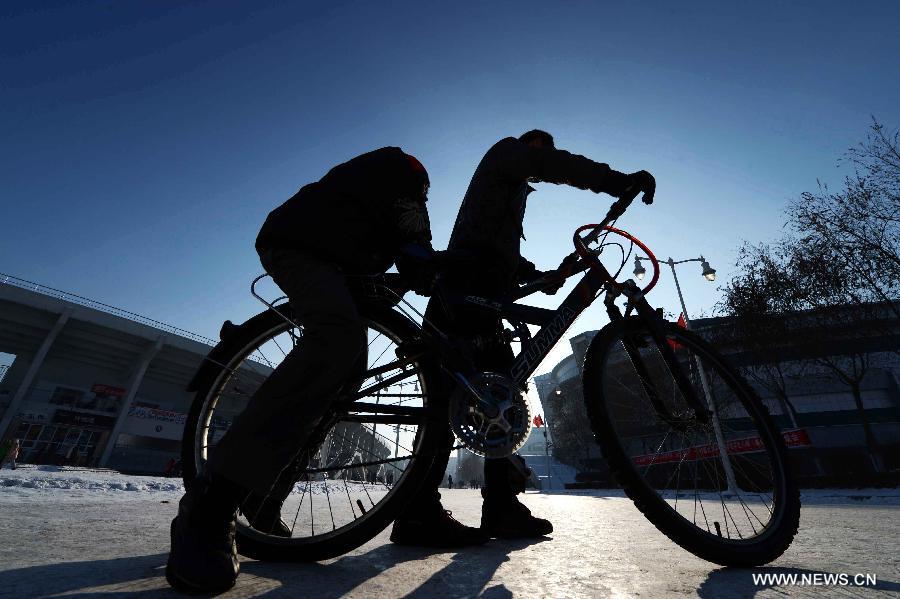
(416, 258)
(522, 161)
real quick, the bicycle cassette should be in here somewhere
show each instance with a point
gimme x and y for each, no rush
(490, 416)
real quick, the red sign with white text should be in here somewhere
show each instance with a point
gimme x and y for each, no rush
(792, 438)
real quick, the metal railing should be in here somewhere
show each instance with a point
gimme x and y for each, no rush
(100, 306)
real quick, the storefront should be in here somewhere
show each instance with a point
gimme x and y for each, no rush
(70, 438)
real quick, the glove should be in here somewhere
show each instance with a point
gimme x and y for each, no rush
(417, 266)
(554, 279)
(640, 182)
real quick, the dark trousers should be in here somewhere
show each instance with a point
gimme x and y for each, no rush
(280, 416)
(503, 477)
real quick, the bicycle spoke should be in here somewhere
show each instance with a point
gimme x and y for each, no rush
(328, 497)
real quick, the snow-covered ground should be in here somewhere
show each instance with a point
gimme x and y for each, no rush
(77, 484)
(70, 532)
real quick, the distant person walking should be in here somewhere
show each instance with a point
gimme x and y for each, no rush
(10, 453)
(449, 481)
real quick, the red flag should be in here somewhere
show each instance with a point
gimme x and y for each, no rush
(682, 322)
(538, 421)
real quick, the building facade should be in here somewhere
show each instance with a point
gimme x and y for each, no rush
(819, 399)
(93, 385)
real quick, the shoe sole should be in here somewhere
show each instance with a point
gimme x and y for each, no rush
(518, 535)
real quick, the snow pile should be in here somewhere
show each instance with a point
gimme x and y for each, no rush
(28, 481)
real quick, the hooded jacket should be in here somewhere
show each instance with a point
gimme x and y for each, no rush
(358, 215)
(489, 222)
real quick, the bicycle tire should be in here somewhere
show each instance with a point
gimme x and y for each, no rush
(429, 439)
(760, 549)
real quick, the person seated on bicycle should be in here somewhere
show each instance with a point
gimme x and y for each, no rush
(488, 227)
(359, 219)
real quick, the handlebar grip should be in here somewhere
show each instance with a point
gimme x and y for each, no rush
(616, 210)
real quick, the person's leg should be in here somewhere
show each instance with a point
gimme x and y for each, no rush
(424, 521)
(502, 515)
(274, 426)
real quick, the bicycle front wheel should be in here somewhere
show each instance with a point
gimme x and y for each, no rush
(722, 488)
(360, 466)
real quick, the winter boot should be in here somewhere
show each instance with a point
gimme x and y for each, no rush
(437, 529)
(511, 520)
(264, 514)
(203, 557)
(502, 515)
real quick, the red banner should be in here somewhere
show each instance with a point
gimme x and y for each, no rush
(792, 438)
(109, 390)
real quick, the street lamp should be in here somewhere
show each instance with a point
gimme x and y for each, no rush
(639, 270)
(708, 271)
(709, 274)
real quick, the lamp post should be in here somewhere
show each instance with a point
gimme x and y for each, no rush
(547, 447)
(709, 274)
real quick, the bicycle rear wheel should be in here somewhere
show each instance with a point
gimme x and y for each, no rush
(362, 464)
(739, 510)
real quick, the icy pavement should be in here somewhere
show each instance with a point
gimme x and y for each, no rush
(88, 533)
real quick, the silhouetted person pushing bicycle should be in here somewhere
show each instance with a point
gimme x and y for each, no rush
(488, 228)
(359, 219)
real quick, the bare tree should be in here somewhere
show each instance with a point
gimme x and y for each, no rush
(798, 299)
(833, 282)
(832, 294)
(861, 223)
(756, 302)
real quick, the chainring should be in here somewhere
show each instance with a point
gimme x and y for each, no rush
(497, 422)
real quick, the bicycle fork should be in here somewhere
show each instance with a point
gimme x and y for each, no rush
(654, 321)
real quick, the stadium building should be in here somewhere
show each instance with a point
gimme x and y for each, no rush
(823, 404)
(90, 384)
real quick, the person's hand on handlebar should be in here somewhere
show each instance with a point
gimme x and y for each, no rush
(418, 267)
(555, 281)
(528, 274)
(640, 182)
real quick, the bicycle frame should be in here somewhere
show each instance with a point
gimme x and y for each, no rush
(554, 323)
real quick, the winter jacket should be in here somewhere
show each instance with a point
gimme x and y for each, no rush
(356, 216)
(489, 222)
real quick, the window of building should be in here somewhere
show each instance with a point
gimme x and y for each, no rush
(66, 396)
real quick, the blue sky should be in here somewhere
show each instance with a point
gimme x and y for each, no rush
(144, 143)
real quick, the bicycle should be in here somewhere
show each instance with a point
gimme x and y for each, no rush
(673, 420)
